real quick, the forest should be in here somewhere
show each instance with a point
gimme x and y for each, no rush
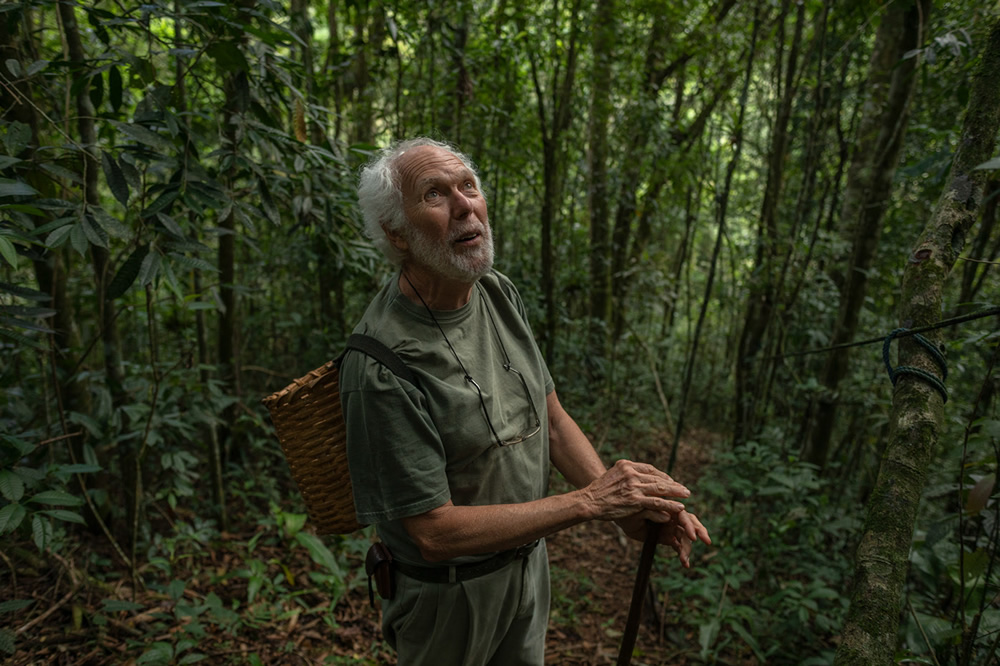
(758, 242)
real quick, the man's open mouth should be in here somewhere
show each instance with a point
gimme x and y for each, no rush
(466, 238)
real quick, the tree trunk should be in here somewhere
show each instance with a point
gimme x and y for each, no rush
(762, 296)
(552, 130)
(917, 416)
(131, 485)
(891, 81)
(721, 211)
(597, 190)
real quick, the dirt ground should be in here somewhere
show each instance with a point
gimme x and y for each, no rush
(69, 621)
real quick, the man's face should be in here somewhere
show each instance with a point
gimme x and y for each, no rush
(448, 232)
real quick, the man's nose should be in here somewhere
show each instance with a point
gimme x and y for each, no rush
(461, 205)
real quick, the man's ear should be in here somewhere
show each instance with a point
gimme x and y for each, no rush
(396, 238)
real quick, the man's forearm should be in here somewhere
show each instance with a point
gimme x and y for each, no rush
(452, 531)
(569, 449)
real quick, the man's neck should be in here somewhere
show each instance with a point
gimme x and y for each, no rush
(435, 292)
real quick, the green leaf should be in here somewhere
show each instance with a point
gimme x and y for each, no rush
(56, 498)
(144, 136)
(109, 223)
(7, 160)
(157, 653)
(21, 339)
(128, 272)
(94, 233)
(115, 178)
(68, 516)
(162, 202)
(17, 137)
(11, 516)
(989, 165)
(193, 262)
(11, 486)
(149, 269)
(78, 239)
(21, 323)
(24, 292)
(59, 236)
(15, 605)
(319, 553)
(41, 532)
(170, 224)
(80, 468)
(22, 447)
(36, 67)
(15, 188)
(8, 252)
(62, 172)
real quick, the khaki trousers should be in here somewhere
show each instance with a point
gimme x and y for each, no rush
(499, 619)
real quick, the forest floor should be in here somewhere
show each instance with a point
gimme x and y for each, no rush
(78, 619)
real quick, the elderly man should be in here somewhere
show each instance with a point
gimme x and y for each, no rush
(454, 470)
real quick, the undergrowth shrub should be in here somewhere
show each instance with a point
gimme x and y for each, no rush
(775, 584)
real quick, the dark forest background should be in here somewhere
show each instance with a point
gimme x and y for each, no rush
(691, 196)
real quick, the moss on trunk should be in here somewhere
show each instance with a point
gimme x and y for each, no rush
(869, 635)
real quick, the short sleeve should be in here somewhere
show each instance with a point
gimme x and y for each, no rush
(395, 455)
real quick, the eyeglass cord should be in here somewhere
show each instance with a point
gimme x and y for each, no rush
(468, 377)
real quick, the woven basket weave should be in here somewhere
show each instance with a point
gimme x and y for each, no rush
(309, 422)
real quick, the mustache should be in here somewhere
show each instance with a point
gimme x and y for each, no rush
(481, 229)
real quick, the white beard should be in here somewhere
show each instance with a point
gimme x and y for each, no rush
(442, 258)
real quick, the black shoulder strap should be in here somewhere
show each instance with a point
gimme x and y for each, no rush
(366, 344)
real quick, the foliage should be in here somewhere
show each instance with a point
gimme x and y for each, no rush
(774, 587)
(178, 237)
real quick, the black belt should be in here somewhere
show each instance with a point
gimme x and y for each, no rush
(460, 572)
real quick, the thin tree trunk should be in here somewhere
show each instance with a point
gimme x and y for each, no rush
(917, 416)
(762, 296)
(128, 459)
(552, 130)
(891, 81)
(723, 204)
(597, 191)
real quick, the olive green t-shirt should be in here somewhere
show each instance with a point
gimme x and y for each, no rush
(412, 448)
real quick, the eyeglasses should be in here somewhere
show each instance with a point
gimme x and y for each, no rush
(532, 429)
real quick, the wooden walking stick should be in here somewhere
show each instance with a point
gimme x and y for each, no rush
(638, 592)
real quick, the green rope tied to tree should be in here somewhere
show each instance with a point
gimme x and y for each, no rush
(894, 373)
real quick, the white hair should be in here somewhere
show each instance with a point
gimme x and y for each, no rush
(381, 198)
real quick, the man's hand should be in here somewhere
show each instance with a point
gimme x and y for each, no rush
(679, 532)
(628, 488)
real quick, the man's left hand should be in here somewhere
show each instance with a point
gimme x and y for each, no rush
(679, 532)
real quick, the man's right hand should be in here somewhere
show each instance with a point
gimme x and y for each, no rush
(628, 488)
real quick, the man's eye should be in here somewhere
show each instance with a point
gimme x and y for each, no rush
(433, 194)
(469, 185)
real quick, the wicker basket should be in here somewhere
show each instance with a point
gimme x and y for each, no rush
(309, 422)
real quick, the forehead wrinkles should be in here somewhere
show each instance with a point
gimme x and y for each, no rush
(421, 166)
